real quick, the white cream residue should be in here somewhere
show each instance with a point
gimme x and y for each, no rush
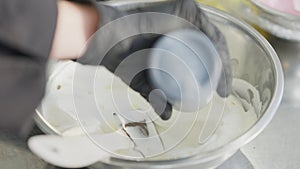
(91, 94)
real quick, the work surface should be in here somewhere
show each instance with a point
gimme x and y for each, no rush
(275, 148)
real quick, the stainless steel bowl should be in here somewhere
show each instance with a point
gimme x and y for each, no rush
(253, 59)
(275, 22)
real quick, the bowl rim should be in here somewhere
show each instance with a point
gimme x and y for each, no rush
(269, 113)
(241, 140)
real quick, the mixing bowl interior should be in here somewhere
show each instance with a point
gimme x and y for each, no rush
(253, 60)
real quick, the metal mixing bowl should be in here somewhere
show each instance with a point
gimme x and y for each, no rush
(277, 23)
(253, 60)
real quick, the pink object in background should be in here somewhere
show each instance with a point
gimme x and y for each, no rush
(287, 6)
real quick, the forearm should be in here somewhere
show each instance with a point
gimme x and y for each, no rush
(76, 23)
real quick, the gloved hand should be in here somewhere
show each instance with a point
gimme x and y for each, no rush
(124, 33)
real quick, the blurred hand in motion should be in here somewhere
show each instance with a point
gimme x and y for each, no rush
(122, 34)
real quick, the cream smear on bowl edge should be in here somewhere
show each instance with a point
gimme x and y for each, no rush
(183, 135)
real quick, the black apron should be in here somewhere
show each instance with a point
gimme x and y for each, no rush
(26, 34)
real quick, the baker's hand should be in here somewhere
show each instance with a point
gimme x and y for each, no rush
(123, 34)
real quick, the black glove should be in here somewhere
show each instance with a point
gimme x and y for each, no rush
(124, 33)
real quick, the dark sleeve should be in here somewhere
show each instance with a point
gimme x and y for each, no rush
(26, 34)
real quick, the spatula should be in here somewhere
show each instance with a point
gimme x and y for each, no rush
(137, 135)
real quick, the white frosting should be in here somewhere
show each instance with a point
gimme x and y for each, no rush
(92, 94)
